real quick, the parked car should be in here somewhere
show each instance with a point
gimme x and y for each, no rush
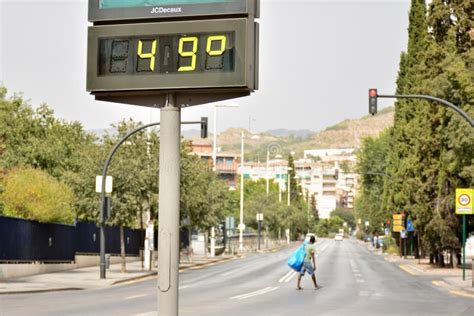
(339, 237)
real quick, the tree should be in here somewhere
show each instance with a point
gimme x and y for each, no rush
(33, 194)
(64, 150)
(295, 189)
(431, 147)
(346, 215)
(372, 164)
(314, 207)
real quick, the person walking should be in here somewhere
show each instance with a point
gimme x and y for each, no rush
(309, 263)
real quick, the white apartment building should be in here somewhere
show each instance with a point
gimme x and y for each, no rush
(314, 177)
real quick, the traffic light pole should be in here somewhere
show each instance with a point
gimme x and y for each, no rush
(374, 95)
(435, 99)
(103, 203)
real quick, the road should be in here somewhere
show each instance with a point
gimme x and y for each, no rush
(355, 282)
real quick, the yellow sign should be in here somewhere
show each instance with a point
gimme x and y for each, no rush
(398, 223)
(464, 201)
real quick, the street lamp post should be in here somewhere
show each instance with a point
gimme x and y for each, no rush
(241, 225)
(266, 173)
(214, 164)
(289, 201)
(289, 187)
(259, 221)
(309, 204)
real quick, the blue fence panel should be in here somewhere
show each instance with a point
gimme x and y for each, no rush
(88, 238)
(25, 240)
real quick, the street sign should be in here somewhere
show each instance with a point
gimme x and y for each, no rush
(367, 223)
(410, 226)
(398, 223)
(403, 233)
(464, 201)
(259, 217)
(114, 10)
(108, 184)
(241, 226)
(230, 223)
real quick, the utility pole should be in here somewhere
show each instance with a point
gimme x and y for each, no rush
(289, 204)
(279, 190)
(266, 172)
(214, 168)
(214, 165)
(307, 211)
(241, 225)
(168, 240)
(289, 188)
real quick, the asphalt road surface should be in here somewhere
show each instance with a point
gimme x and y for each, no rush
(355, 282)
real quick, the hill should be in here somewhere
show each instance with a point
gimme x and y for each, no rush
(348, 133)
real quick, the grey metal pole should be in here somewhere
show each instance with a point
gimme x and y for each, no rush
(169, 184)
(102, 242)
(267, 180)
(435, 99)
(259, 232)
(241, 228)
(464, 248)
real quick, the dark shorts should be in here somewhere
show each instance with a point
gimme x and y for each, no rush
(307, 267)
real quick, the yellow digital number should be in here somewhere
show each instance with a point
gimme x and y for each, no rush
(191, 54)
(210, 39)
(151, 55)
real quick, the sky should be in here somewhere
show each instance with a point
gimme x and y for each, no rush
(317, 61)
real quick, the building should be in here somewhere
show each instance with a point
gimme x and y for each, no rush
(325, 173)
(227, 164)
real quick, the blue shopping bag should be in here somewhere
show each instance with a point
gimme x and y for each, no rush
(296, 260)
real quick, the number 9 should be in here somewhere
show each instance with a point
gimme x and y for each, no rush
(191, 54)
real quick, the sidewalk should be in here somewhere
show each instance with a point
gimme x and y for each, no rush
(88, 278)
(449, 279)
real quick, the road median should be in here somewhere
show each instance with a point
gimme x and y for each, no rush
(88, 278)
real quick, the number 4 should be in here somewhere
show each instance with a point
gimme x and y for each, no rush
(148, 55)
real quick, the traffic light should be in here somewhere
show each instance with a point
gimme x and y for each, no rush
(204, 123)
(373, 101)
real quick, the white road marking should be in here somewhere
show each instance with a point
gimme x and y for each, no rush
(135, 296)
(256, 293)
(291, 277)
(146, 314)
(285, 276)
(184, 287)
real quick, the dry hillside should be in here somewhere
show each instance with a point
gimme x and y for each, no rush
(348, 133)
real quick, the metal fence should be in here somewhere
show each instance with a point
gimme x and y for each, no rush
(26, 241)
(23, 240)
